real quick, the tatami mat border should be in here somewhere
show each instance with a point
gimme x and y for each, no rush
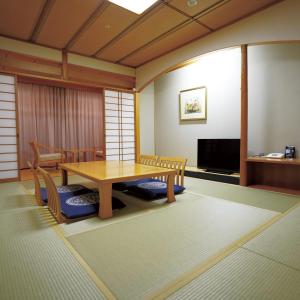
(169, 289)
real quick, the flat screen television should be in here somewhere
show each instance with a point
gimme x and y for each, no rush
(219, 155)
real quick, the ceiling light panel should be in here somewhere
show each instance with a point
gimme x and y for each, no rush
(136, 6)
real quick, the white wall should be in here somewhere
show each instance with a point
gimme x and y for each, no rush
(147, 120)
(274, 97)
(220, 73)
(279, 22)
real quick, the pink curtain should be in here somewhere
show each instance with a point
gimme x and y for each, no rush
(59, 117)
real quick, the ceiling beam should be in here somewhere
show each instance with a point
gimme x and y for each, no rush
(177, 27)
(148, 13)
(87, 24)
(188, 16)
(41, 20)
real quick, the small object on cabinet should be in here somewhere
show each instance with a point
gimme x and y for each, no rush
(275, 155)
(290, 152)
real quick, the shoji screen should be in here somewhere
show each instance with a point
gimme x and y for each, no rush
(8, 131)
(119, 125)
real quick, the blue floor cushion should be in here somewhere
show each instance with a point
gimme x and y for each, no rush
(84, 205)
(153, 189)
(66, 191)
(124, 186)
(44, 196)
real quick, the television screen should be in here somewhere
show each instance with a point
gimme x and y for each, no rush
(219, 155)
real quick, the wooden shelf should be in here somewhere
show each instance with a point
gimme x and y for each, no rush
(284, 161)
(279, 175)
(276, 189)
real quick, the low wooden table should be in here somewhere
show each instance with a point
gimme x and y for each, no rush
(105, 173)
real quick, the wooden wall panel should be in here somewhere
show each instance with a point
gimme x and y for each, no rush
(105, 79)
(64, 73)
(14, 63)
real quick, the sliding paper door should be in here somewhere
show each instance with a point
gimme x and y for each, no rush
(119, 125)
(8, 129)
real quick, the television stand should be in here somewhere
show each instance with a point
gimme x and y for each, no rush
(214, 176)
(219, 171)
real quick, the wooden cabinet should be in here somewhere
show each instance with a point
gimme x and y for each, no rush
(282, 175)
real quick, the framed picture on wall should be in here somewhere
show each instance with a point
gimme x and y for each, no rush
(192, 103)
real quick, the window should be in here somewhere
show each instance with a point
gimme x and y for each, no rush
(119, 125)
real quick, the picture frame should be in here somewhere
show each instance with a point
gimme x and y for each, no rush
(193, 104)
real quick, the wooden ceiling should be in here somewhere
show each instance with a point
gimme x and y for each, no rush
(100, 29)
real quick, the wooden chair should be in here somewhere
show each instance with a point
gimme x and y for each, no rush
(98, 153)
(150, 160)
(68, 206)
(54, 155)
(39, 193)
(156, 188)
(55, 201)
(176, 163)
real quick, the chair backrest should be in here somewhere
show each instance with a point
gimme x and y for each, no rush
(53, 197)
(176, 163)
(37, 185)
(150, 160)
(36, 152)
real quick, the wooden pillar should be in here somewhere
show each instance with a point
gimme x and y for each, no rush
(244, 117)
(137, 125)
(64, 65)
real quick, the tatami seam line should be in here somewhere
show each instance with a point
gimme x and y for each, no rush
(98, 282)
(271, 259)
(58, 231)
(186, 278)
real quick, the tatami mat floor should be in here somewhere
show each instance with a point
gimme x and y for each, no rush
(36, 261)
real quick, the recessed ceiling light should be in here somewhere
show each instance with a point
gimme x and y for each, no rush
(136, 6)
(192, 3)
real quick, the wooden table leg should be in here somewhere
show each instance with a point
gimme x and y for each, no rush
(64, 177)
(170, 188)
(105, 207)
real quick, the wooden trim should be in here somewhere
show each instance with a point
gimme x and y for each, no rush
(23, 77)
(9, 180)
(194, 18)
(7, 161)
(86, 25)
(244, 117)
(104, 126)
(42, 19)
(137, 125)
(17, 127)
